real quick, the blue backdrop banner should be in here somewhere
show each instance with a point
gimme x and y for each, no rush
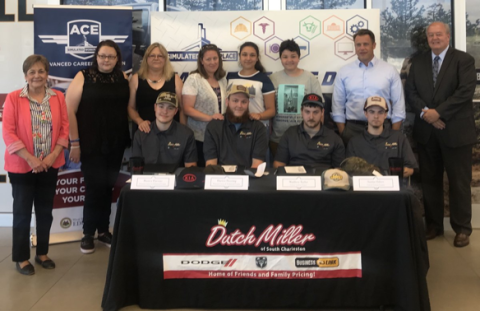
(68, 35)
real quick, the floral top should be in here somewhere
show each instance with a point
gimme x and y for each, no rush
(41, 122)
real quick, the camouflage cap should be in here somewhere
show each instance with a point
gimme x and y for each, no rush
(356, 166)
(167, 97)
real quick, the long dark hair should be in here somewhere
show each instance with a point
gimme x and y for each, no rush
(110, 43)
(220, 73)
(258, 64)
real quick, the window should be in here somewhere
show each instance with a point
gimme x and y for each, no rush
(402, 25)
(324, 4)
(213, 5)
(473, 38)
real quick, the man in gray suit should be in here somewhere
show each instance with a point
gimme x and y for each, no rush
(440, 88)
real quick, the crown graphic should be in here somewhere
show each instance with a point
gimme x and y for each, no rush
(222, 222)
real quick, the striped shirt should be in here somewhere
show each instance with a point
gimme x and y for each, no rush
(41, 122)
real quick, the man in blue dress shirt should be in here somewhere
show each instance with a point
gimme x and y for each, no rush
(365, 77)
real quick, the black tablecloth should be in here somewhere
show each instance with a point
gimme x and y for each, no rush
(384, 227)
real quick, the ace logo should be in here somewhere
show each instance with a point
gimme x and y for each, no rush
(83, 37)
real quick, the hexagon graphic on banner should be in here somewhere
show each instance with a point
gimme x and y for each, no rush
(263, 28)
(272, 47)
(345, 48)
(333, 27)
(310, 27)
(356, 23)
(304, 46)
(240, 28)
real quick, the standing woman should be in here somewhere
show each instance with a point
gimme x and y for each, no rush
(35, 131)
(285, 81)
(204, 94)
(97, 101)
(156, 75)
(252, 75)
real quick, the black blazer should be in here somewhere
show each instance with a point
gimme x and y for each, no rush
(451, 97)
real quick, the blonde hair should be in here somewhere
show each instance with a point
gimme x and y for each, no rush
(168, 71)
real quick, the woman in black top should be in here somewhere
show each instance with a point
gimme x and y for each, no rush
(97, 101)
(156, 75)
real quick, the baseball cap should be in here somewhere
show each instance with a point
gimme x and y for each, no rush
(356, 166)
(313, 99)
(167, 97)
(335, 178)
(190, 178)
(237, 88)
(375, 101)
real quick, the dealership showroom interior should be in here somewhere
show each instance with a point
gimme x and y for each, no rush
(240, 155)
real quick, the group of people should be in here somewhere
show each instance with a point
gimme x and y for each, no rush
(219, 119)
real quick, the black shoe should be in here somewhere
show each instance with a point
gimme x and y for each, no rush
(461, 240)
(105, 238)
(27, 270)
(47, 264)
(87, 246)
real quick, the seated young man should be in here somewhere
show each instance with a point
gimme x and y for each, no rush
(377, 143)
(310, 143)
(168, 141)
(235, 140)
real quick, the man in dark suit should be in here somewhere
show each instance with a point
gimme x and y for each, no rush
(440, 88)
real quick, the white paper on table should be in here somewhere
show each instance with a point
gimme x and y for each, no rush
(295, 170)
(260, 169)
(226, 182)
(376, 183)
(153, 182)
(299, 183)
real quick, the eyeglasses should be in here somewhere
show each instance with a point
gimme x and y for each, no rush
(109, 57)
(155, 56)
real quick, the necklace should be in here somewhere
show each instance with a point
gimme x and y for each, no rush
(155, 81)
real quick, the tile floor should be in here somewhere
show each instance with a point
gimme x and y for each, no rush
(77, 282)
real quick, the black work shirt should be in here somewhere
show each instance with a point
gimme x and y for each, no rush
(376, 149)
(322, 151)
(173, 146)
(235, 147)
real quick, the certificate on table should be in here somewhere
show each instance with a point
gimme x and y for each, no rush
(226, 182)
(309, 183)
(153, 182)
(376, 183)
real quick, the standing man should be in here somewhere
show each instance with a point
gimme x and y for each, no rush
(440, 88)
(310, 143)
(237, 139)
(168, 142)
(365, 77)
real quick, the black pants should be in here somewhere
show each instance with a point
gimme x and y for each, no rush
(201, 157)
(434, 158)
(100, 173)
(38, 190)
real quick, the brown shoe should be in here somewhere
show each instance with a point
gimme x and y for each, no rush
(461, 240)
(432, 233)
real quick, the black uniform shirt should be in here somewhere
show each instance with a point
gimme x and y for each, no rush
(376, 149)
(322, 151)
(235, 147)
(173, 146)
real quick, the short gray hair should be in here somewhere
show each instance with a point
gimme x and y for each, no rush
(447, 26)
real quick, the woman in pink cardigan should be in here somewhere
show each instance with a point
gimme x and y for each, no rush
(35, 131)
